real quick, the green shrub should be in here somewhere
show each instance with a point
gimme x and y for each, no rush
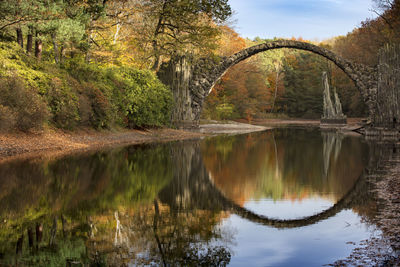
(63, 103)
(83, 72)
(124, 96)
(224, 111)
(8, 119)
(146, 101)
(77, 94)
(15, 63)
(101, 115)
(21, 104)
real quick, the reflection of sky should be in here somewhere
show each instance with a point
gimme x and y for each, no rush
(307, 18)
(314, 245)
(287, 209)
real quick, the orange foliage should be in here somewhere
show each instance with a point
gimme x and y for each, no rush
(230, 42)
(244, 85)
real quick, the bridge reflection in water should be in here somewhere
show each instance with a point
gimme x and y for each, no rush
(240, 168)
(166, 204)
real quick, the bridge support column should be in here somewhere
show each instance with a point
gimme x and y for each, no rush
(177, 75)
(388, 95)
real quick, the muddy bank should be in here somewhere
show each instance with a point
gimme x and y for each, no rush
(51, 143)
(351, 122)
(55, 142)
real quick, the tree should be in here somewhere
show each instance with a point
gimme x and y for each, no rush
(389, 11)
(175, 26)
(272, 62)
(303, 87)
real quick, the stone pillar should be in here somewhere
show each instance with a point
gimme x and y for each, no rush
(177, 75)
(329, 112)
(332, 111)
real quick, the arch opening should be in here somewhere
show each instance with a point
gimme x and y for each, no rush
(362, 76)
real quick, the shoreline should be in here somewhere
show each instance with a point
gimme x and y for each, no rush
(52, 143)
(55, 143)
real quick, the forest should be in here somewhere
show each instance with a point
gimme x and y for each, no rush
(94, 63)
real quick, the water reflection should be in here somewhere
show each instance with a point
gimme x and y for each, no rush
(279, 165)
(173, 203)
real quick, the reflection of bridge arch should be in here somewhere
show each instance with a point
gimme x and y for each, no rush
(343, 203)
(205, 77)
(193, 188)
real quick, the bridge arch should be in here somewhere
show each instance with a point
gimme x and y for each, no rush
(206, 75)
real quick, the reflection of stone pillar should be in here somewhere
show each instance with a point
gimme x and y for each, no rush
(332, 144)
(190, 187)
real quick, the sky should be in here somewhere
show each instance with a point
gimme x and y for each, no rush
(314, 20)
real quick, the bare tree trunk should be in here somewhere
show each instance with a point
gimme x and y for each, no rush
(276, 90)
(117, 32)
(55, 48)
(158, 30)
(38, 48)
(89, 42)
(72, 51)
(53, 232)
(155, 229)
(64, 224)
(62, 53)
(30, 237)
(39, 233)
(156, 64)
(19, 244)
(29, 42)
(87, 56)
(20, 39)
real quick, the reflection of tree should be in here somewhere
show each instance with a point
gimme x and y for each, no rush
(99, 209)
(85, 182)
(189, 241)
(76, 188)
(194, 209)
(287, 165)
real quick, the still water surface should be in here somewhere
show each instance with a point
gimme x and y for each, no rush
(287, 197)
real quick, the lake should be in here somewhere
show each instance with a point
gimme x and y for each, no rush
(282, 197)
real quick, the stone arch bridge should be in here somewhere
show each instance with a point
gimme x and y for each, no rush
(191, 82)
